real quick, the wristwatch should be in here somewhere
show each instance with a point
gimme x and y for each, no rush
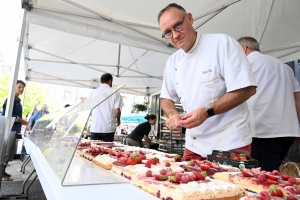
(209, 111)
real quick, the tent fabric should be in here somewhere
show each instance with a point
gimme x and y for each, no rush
(74, 42)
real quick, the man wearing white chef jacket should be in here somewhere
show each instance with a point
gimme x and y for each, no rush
(106, 116)
(275, 106)
(211, 77)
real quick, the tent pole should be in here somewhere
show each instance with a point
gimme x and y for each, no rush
(11, 96)
(73, 62)
(84, 65)
(133, 62)
(288, 53)
(26, 51)
(61, 79)
(68, 62)
(280, 48)
(209, 18)
(93, 17)
(119, 59)
(266, 22)
(216, 9)
(112, 20)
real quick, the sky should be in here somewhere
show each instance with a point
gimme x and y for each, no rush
(10, 23)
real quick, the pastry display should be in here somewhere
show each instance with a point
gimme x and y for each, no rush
(188, 186)
(289, 193)
(104, 161)
(174, 177)
(256, 180)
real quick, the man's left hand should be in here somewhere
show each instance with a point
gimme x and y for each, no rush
(194, 118)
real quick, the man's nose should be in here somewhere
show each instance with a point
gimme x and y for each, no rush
(175, 34)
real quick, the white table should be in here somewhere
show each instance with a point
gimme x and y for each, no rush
(54, 190)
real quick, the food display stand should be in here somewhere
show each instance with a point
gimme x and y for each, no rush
(55, 147)
(62, 173)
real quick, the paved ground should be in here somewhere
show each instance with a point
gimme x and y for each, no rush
(14, 187)
(15, 167)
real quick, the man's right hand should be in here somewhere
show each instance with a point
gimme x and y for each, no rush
(172, 122)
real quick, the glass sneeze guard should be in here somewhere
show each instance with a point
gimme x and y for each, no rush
(57, 135)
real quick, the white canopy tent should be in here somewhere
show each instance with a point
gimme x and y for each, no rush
(75, 42)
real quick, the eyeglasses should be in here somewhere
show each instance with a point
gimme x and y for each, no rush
(177, 27)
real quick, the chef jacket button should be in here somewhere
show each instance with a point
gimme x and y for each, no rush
(194, 138)
(175, 69)
(177, 83)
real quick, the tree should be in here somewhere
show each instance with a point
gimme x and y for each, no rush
(35, 93)
(4, 87)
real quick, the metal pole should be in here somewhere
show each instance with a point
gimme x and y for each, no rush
(119, 59)
(92, 17)
(11, 96)
(209, 18)
(216, 9)
(115, 21)
(85, 65)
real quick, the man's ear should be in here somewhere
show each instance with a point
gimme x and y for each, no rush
(190, 18)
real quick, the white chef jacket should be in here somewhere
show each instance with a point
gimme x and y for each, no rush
(104, 116)
(215, 65)
(273, 105)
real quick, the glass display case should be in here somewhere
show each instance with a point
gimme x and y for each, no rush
(57, 135)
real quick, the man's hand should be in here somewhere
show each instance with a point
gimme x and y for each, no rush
(29, 127)
(193, 119)
(172, 122)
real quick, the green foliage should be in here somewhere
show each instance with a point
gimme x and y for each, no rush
(34, 94)
(4, 87)
(139, 107)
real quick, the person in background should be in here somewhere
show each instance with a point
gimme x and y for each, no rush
(211, 77)
(106, 116)
(11, 144)
(141, 132)
(275, 106)
(37, 115)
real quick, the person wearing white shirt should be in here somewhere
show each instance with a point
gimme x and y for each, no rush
(106, 116)
(211, 77)
(275, 106)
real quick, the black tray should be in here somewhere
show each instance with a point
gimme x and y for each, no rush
(224, 158)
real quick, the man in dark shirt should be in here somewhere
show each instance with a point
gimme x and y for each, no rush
(11, 145)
